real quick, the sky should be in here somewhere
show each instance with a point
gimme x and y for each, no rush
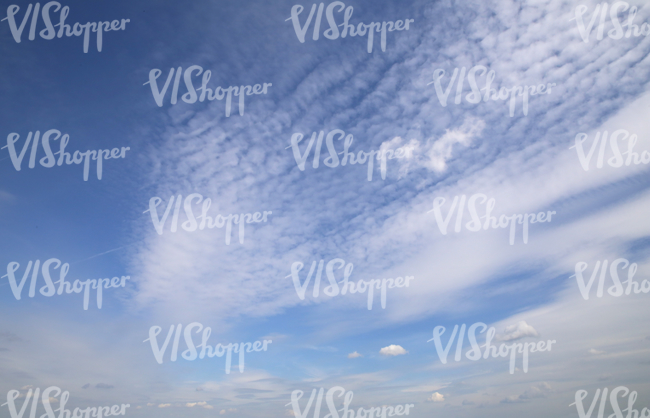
(280, 156)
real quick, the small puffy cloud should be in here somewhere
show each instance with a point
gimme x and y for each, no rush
(208, 406)
(392, 350)
(52, 400)
(223, 411)
(190, 404)
(436, 397)
(150, 404)
(354, 355)
(595, 352)
(164, 405)
(27, 387)
(519, 330)
(104, 386)
(86, 386)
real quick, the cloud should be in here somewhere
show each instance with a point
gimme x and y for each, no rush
(441, 149)
(524, 162)
(595, 352)
(164, 405)
(104, 386)
(538, 391)
(512, 399)
(425, 388)
(202, 403)
(436, 397)
(354, 355)
(519, 330)
(392, 350)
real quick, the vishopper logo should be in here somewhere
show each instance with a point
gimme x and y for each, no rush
(48, 33)
(333, 161)
(333, 32)
(617, 288)
(346, 411)
(474, 97)
(49, 161)
(622, 391)
(50, 395)
(50, 289)
(474, 354)
(334, 290)
(490, 221)
(617, 32)
(617, 159)
(191, 354)
(205, 92)
(202, 221)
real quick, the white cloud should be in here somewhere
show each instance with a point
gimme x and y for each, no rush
(441, 149)
(595, 352)
(354, 355)
(392, 350)
(164, 405)
(519, 330)
(436, 397)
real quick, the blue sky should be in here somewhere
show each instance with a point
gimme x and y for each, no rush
(245, 164)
